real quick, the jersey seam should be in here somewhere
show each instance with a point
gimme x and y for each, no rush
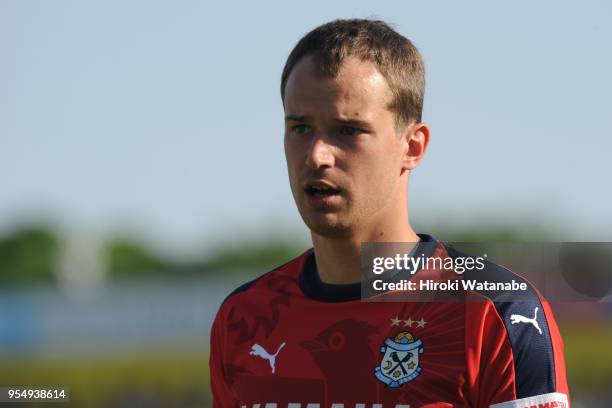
(537, 295)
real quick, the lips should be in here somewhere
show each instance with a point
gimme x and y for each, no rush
(322, 194)
(321, 188)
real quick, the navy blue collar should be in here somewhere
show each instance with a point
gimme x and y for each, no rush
(314, 288)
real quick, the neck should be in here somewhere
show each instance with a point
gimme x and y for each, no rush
(339, 258)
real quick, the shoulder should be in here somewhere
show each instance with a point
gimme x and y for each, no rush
(258, 301)
(526, 320)
(282, 279)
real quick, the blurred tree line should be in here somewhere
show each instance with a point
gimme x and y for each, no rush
(31, 254)
(28, 255)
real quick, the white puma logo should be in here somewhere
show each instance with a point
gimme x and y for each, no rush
(257, 350)
(517, 318)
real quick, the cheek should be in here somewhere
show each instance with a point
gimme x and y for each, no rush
(294, 168)
(376, 179)
(290, 156)
(287, 148)
(382, 164)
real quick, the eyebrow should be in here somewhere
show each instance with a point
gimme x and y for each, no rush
(296, 118)
(356, 122)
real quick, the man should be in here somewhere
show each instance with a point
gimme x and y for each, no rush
(299, 336)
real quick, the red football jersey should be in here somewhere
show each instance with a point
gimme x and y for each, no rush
(287, 339)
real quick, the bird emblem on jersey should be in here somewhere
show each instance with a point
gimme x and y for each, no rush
(257, 350)
(517, 318)
(400, 361)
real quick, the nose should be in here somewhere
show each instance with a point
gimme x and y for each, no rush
(320, 152)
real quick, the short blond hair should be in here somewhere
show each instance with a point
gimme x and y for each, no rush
(397, 59)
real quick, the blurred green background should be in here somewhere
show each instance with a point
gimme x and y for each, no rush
(136, 335)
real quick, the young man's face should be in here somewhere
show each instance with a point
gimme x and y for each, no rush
(343, 152)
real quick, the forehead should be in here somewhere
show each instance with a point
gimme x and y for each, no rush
(358, 89)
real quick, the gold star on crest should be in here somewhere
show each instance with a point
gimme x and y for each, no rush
(410, 365)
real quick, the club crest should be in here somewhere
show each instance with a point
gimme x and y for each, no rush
(400, 361)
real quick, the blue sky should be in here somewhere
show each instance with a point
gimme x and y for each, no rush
(165, 117)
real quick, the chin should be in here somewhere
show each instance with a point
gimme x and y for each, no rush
(328, 226)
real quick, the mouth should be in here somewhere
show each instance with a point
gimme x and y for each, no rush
(320, 191)
(322, 194)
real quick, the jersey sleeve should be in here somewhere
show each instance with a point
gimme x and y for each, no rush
(222, 396)
(514, 355)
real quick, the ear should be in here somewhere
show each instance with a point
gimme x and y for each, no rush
(416, 138)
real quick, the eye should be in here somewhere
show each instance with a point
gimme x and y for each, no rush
(349, 131)
(301, 129)
(336, 341)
